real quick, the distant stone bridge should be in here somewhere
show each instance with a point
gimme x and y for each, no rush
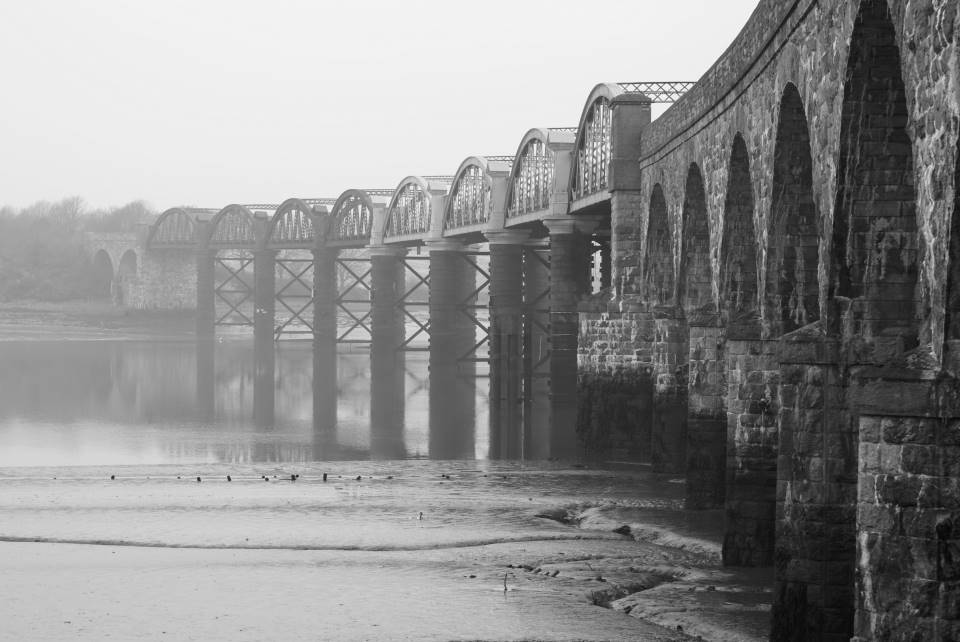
(767, 274)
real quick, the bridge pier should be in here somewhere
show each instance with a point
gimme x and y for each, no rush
(706, 414)
(816, 494)
(670, 352)
(536, 351)
(452, 335)
(752, 439)
(569, 281)
(206, 294)
(387, 361)
(506, 345)
(325, 338)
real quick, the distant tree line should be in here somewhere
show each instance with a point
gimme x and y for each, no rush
(42, 255)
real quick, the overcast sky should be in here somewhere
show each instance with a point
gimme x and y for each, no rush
(206, 103)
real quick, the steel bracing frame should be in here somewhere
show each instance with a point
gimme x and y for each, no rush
(356, 283)
(405, 303)
(536, 319)
(234, 291)
(291, 296)
(469, 306)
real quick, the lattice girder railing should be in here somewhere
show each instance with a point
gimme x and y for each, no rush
(663, 91)
(532, 186)
(593, 150)
(234, 298)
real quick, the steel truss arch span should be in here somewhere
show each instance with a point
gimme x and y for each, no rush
(471, 199)
(233, 228)
(351, 220)
(590, 169)
(409, 211)
(294, 225)
(532, 176)
(176, 228)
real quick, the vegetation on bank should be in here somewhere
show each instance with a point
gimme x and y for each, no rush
(42, 256)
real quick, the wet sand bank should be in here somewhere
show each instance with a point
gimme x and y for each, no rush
(353, 560)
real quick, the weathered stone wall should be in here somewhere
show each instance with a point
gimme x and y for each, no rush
(826, 137)
(147, 279)
(168, 281)
(753, 381)
(615, 391)
(908, 529)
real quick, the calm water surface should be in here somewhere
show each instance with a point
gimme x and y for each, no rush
(69, 403)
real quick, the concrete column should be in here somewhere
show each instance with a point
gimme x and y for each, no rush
(206, 295)
(706, 415)
(325, 339)
(387, 398)
(569, 281)
(536, 351)
(816, 495)
(264, 309)
(506, 344)
(452, 334)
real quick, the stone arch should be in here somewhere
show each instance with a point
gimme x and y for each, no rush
(696, 285)
(792, 297)
(738, 249)
(875, 251)
(102, 273)
(658, 259)
(126, 276)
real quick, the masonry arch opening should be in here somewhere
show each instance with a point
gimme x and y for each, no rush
(875, 241)
(793, 254)
(102, 274)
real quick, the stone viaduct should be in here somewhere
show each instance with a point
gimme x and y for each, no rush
(757, 290)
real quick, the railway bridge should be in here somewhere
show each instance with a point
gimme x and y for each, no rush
(766, 276)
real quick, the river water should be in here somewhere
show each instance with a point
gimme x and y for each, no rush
(138, 501)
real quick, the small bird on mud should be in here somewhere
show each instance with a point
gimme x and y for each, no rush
(229, 479)
(199, 480)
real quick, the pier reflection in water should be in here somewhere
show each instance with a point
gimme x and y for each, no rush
(125, 402)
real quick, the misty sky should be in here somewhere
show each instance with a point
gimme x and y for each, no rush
(210, 102)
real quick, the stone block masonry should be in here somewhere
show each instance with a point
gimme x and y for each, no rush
(752, 440)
